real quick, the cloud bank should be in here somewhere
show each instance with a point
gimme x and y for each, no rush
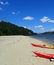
(39, 27)
(46, 19)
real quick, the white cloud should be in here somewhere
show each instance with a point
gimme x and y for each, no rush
(13, 13)
(52, 21)
(24, 26)
(52, 29)
(39, 27)
(1, 3)
(28, 18)
(46, 19)
(4, 3)
(1, 8)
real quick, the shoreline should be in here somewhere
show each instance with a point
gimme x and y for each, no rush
(17, 50)
(48, 39)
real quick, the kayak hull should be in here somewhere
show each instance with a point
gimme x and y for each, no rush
(42, 46)
(43, 55)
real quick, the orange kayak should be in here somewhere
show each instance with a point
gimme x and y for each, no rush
(43, 46)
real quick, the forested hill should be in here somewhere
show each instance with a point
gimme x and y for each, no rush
(51, 32)
(7, 28)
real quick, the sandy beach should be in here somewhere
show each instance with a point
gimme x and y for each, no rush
(17, 50)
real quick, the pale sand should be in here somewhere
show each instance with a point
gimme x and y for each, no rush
(17, 50)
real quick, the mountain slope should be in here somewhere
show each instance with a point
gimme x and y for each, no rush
(7, 28)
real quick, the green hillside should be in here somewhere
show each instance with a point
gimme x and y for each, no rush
(7, 28)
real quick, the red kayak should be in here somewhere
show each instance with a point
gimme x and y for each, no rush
(37, 45)
(43, 46)
(44, 55)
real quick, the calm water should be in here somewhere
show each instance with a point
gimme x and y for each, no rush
(48, 38)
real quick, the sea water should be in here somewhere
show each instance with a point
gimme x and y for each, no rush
(48, 38)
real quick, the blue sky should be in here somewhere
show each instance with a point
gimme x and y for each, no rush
(37, 15)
